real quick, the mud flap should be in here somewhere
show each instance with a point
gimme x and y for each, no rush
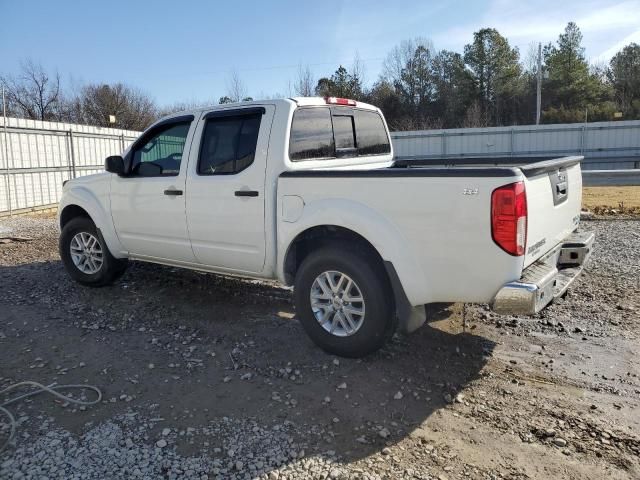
(410, 318)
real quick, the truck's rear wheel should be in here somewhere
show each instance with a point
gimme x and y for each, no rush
(85, 255)
(344, 301)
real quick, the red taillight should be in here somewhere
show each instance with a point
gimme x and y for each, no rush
(340, 101)
(509, 218)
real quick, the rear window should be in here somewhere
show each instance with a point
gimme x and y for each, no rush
(327, 133)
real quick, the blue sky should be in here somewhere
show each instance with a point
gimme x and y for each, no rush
(185, 50)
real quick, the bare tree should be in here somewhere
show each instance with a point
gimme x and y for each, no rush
(305, 83)
(262, 95)
(400, 56)
(530, 61)
(475, 117)
(408, 67)
(184, 105)
(599, 68)
(358, 70)
(33, 93)
(236, 89)
(132, 108)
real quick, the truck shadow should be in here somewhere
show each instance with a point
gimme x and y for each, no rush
(201, 348)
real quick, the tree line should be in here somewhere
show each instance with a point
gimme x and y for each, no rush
(36, 94)
(488, 84)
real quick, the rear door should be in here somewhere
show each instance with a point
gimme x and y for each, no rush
(554, 200)
(225, 197)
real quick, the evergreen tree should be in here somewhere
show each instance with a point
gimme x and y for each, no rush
(497, 74)
(624, 75)
(342, 84)
(572, 90)
(454, 89)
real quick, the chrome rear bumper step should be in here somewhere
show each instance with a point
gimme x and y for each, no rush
(546, 279)
(576, 249)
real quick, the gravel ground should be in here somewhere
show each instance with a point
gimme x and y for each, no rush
(605, 299)
(211, 377)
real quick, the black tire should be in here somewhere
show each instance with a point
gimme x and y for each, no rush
(110, 270)
(368, 273)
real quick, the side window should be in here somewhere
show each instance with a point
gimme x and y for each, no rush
(161, 155)
(228, 144)
(371, 136)
(311, 134)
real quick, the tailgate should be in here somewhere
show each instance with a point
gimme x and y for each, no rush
(554, 198)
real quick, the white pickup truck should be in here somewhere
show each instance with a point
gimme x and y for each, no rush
(305, 190)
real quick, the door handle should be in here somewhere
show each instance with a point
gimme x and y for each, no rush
(561, 188)
(173, 192)
(246, 193)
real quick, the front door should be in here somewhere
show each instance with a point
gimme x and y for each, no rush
(148, 203)
(226, 188)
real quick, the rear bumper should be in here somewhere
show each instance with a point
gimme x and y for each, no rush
(546, 279)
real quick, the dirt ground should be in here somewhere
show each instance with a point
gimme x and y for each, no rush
(621, 199)
(469, 395)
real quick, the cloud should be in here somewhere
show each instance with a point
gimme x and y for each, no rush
(611, 51)
(606, 26)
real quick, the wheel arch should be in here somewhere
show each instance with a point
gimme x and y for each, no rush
(317, 236)
(375, 229)
(70, 212)
(369, 228)
(81, 201)
(409, 317)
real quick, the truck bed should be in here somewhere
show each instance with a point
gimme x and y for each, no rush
(550, 221)
(441, 216)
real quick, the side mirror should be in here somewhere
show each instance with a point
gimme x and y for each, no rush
(114, 164)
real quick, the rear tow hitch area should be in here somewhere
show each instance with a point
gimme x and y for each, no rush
(546, 279)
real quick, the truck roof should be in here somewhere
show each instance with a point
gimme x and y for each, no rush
(298, 101)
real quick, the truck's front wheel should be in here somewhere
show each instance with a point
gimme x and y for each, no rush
(85, 255)
(344, 301)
